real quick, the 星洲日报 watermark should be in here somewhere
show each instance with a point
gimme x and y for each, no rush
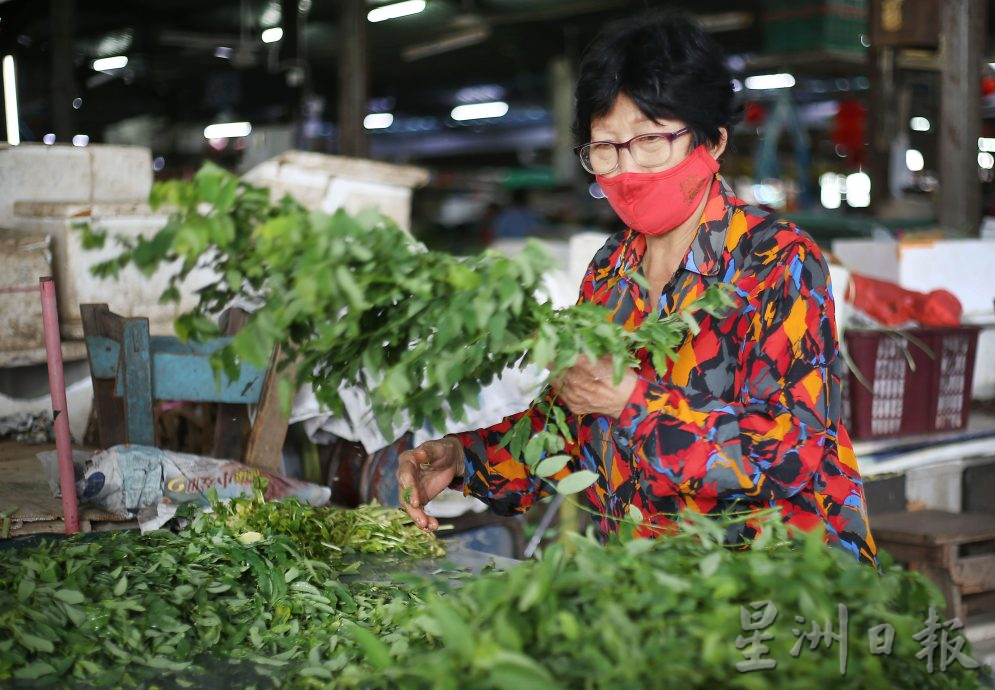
(936, 636)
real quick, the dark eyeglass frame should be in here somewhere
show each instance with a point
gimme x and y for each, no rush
(669, 136)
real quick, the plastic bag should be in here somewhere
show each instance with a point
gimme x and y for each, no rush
(891, 305)
(128, 479)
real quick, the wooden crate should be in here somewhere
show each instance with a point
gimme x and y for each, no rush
(954, 550)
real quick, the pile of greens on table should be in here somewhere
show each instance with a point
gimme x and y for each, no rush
(272, 587)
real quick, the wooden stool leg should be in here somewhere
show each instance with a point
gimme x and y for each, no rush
(269, 431)
(232, 424)
(951, 592)
(108, 408)
(137, 360)
(940, 572)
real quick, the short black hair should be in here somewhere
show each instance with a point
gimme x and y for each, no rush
(670, 68)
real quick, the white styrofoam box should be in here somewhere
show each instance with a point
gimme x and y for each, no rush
(356, 195)
(23, 260)
(839, 277)
(936, 486)
(35, 172)
(79, 400)
(266, 141)
(940, 486)
(133, 293)
(984, 359)
(583, 247)
(120, 173)
(558, 285)
(322, 182)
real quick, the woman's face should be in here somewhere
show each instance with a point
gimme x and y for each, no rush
(625, 120)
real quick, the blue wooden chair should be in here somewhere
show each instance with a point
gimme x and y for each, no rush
(132, 369)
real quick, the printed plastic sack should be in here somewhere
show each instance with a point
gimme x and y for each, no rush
(127, 479)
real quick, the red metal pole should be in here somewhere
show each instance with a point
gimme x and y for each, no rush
(60, 414)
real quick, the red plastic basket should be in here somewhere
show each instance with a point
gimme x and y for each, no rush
(932, 395)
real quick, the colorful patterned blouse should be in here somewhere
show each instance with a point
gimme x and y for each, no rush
(747, 418)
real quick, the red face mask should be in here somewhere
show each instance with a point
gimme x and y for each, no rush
(656, 203)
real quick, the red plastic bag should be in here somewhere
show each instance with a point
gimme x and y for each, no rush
(892, 305)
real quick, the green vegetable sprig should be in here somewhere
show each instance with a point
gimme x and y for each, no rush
(353, 300)
(327, 533)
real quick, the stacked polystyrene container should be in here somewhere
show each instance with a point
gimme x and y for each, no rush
(46, 191)
(326, 183)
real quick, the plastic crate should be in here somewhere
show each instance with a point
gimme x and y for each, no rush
(934, 394)
(807, 25)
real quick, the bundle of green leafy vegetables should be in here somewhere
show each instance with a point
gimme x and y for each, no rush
(354, 300)
(675, 612)
(253, 581)
(259, 586)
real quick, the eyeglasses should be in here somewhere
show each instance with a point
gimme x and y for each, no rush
(647, 150)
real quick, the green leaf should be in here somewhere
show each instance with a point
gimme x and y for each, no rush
(534, 449)
(35, 643)
(516, 671)
(70, 596)
(560, 419)
(535, 589)
(196, 327)
(234, 278)
(25, 588)
(90, 238)
(668, 581)
(635, 514)
(193, 237)
(347, 283)
(226, 194)
(35, 669)
(169, 295)
(691, 322)
(221, 231)
(710, 564)
(551, 465)
(166, 664)
(463, 278)
(250, 345)
(375, 651)
(576, 482)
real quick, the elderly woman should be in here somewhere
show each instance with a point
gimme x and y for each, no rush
(748, 417)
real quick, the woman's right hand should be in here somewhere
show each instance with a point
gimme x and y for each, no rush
(427, 470)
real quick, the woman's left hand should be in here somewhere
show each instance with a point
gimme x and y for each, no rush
(587, 388)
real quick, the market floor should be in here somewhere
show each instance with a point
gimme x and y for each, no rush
(26, 498)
